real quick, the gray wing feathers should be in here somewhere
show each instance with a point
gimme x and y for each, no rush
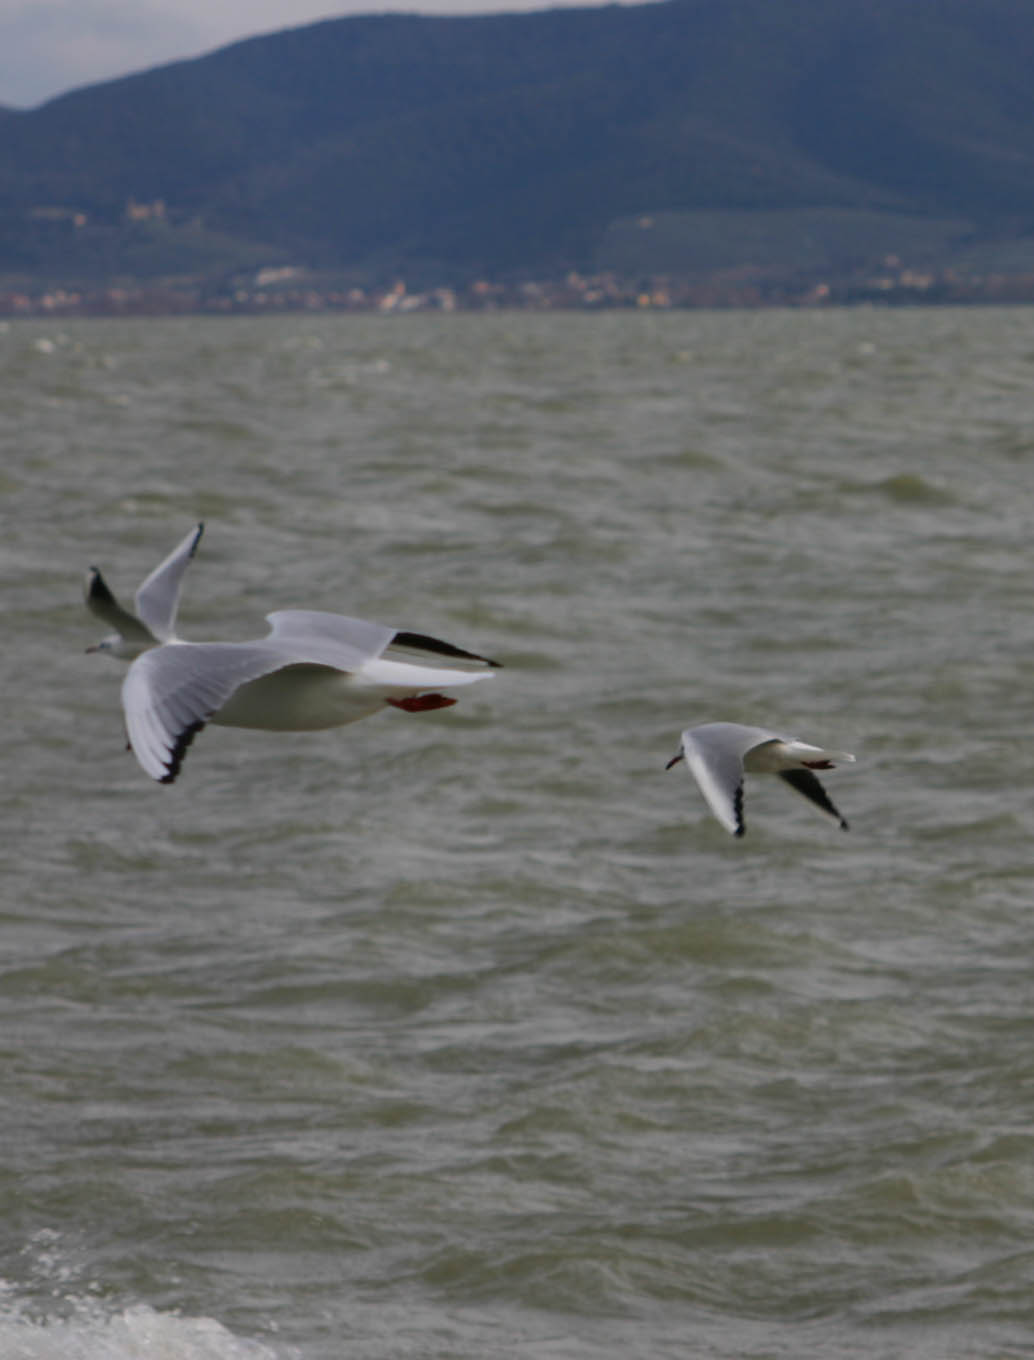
(734, 736)
(326, 639)
(157, 598)
(717, 766)
(335, 640)
(172, 691)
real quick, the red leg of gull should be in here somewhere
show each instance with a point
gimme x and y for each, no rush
(420, 703)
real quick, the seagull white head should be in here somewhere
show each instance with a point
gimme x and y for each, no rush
(119, 647)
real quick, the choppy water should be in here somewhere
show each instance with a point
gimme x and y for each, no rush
(471, 1034)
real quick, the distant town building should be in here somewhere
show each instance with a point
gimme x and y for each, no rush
(145, 212)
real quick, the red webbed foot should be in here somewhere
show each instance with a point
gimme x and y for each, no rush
(421, 703)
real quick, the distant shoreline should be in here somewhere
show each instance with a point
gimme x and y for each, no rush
(744, 289)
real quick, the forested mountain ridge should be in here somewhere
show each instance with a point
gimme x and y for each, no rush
(513, 142)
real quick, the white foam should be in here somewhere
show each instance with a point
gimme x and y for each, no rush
(90, 1333)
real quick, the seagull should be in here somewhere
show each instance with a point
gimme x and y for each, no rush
(718, 754)
(313, 670)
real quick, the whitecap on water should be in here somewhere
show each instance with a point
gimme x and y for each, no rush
(89, 1332)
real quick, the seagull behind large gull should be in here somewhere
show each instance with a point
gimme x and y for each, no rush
(313, 670)
(718, 754)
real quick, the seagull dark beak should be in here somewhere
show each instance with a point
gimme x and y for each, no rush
(674, 760)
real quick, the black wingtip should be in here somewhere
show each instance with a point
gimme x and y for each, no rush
(808, 785)
(423, 643)
(98, 589)
(179, 750)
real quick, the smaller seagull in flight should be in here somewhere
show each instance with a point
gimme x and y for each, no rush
(719, 754)
(313, 670)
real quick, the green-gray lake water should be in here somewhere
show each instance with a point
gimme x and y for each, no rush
(470, 1033)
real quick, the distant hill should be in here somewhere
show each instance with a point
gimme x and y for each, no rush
(452, 147)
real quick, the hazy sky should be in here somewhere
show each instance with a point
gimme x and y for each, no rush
(50, 46)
